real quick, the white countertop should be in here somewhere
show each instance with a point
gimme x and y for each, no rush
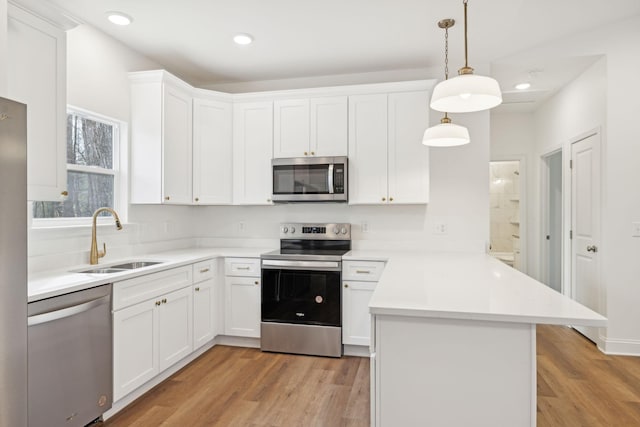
(468, 286)
(57, 282)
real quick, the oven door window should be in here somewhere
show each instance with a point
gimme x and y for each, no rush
(301, 179)
(304, 297)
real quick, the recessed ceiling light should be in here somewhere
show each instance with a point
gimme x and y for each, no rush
(243, 39)
(523, 86)
(119, 18)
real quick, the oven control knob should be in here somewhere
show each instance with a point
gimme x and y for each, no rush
(336, 230)
(285, 230)
(293, 230)
(343, 230)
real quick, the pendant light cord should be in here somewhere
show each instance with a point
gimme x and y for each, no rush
(466, 62)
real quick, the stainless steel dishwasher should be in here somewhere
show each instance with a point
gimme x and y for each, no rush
(70, 358)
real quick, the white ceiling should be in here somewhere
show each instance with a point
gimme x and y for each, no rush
(301, 38)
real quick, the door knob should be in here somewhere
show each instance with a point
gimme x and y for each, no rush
(592, 248)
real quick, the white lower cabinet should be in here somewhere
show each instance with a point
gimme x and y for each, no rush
(359, 281)
(242, 293)
(152, 326)
(205, 325)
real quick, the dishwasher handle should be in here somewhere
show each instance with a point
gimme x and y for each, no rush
(67, 312)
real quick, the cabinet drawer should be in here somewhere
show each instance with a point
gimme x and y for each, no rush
(247, 267)
(366, 271)
(133, 291)
(204, 270)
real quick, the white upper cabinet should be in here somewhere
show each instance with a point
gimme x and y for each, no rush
(310, 127)
(161, 139)
(252, 148)
(291, 128)
(212, 152)
(387, 162)
(368, 149)
(36, 71)
(408, 161)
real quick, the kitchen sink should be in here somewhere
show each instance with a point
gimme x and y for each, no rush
(105, 270)
(135, 264)
(119, 268)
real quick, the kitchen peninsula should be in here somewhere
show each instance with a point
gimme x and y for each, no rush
(454, 340)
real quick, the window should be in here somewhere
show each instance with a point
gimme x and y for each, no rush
(92, 167)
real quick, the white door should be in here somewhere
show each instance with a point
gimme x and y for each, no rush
(368, 149)
(212, 152)
(242, 310)
(204, 325)
(291, 128)
(135, 347)
(175, 327)
(176, 146)
(585, 225)
(356, 320)
(408, 163)
(329, 126)
(252, 149)
(552, 243)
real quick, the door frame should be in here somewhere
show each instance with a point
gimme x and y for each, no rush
(522, 204)
(544, 216)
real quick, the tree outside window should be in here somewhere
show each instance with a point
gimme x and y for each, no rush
(91, 168)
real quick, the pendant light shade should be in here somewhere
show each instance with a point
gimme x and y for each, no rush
(466, 93)
(446, 134)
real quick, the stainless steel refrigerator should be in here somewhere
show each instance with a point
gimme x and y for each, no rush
(13, 264)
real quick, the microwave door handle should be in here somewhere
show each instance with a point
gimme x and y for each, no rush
(330, 179)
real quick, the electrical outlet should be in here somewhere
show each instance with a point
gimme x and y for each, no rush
(440, 228)
(241, 227)
(635, 229)
(365, 227)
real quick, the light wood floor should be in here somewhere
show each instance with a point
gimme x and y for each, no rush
(230, 386)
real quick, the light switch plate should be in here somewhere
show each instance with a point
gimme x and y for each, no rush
(635, 229)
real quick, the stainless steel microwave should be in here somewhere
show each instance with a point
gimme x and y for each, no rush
(310, 179)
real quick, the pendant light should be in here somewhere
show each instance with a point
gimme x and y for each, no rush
(466, 92)
(446, 134)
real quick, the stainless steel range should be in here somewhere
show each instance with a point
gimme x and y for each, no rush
(301, 291)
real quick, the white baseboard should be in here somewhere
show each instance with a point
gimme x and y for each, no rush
(620, 347)
(356, 350)
(237, 341)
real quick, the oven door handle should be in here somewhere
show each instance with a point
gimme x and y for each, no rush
(298, 265)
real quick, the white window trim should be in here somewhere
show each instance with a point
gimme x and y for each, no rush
(120, 166)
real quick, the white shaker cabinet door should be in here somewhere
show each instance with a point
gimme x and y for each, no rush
(36, 71)
(368, 149)
(329, 126)
(291, 128)
(204, 313)
(135, 347)
(252, 150)
(356, 320)
(408, 163)
(212, 152)
(176, 140)
(175, 326)
(242, 310)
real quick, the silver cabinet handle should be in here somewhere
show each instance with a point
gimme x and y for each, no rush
(592, 248)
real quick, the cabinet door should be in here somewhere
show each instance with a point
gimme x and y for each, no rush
(36, 71)
(291, 128)
(242, 315)
(212, 152)
(175, 327)
(368, 149)
(176, 146)
(252, 148)
(356, 320)
(408, 157)
(329, 130)
(135, 347)
(204, 314)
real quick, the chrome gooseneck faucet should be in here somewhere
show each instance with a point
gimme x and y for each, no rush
(95, 254)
